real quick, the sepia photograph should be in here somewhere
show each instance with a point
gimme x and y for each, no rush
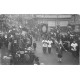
(39, 39)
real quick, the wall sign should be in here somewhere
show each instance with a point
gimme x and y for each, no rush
(52, 23)
(53, 16)
(63, 23)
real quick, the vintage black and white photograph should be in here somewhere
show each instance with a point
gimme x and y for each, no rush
(39, 39)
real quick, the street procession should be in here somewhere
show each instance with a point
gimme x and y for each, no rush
(39, 39)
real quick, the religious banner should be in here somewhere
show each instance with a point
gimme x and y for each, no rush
(44, 28)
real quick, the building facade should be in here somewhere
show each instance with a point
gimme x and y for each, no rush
(53, 20)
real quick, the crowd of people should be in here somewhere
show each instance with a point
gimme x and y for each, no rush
(62, 42)
(22, 46)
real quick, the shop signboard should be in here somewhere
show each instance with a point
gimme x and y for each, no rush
(44, 29)
(63, 23)
(52, 23)
(53, 16)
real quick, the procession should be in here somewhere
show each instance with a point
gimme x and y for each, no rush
(41, 40)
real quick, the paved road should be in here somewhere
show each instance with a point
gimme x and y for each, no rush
(0, 57)
(51, 59)
(4, 52)
(47, 59)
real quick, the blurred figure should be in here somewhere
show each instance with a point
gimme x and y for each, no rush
(74, 46)
(41, 63)
(44, 46)
(49, 45)
(60, 53)
(34, 45)
(0, 42)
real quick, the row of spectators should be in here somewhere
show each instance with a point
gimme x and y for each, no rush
(20, 48)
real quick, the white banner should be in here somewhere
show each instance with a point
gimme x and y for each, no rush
(44, 29)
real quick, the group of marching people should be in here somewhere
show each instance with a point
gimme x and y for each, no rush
(69, 43)
(22, 49)
(47, 45)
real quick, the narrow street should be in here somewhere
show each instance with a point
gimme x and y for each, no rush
(47, 59)
(51, 59)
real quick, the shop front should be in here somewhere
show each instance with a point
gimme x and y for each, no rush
(48, 22)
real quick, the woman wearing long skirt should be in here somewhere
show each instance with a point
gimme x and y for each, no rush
(34, 45)
(44, 46)
(60, 53)
(49, 45)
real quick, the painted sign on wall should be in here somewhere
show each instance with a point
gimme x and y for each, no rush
(63, 23)
(52, 23)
